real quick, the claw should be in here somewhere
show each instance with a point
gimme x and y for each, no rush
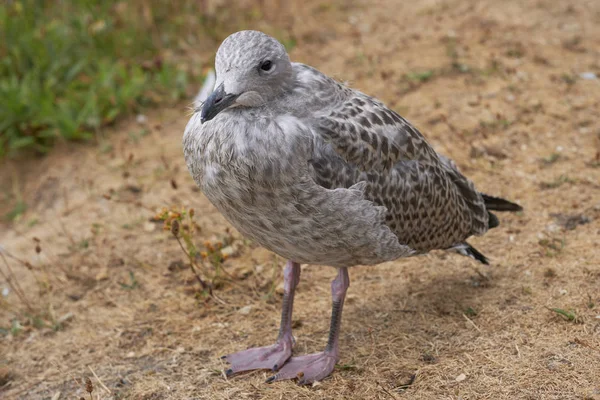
(229, 372)
(271, 379)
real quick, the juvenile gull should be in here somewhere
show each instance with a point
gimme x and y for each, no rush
(320, 173)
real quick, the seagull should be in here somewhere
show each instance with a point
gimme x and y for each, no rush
(321, 174)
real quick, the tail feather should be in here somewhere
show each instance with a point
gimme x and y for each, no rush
(466, 249)
(491, 203)
(498, 204)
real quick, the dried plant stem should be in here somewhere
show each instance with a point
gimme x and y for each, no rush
(27, 266)
(51, 257)
(192, 262)
(99, 381)
(14, 284)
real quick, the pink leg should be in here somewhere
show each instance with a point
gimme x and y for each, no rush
(274, 356)
(315, 367)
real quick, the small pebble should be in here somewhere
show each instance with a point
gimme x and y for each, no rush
(141, 119)
(228, 251)
(245, 310)
(102, 275)
(588, 76)
(460, 378)
(149, 226)
(66, 318)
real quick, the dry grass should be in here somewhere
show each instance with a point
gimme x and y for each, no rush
(113, 299)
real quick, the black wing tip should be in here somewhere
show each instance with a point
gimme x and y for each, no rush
(500, 204)
(493, 221)
(470, 251)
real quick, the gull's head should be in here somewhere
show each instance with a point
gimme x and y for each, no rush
(252, 69)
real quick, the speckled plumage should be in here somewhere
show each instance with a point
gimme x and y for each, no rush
(323, 174)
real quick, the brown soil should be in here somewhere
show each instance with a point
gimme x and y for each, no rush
(495, 85)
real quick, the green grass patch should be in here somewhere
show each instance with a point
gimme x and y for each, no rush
(68, 68)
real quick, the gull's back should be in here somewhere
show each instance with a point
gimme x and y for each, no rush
(429, 204)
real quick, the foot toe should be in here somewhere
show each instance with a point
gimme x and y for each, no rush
(269, 357)
(307, 369)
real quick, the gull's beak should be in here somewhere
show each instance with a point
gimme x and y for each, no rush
(215, 103)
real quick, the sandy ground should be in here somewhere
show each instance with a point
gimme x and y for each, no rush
(495, 85)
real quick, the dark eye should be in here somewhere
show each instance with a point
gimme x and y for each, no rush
(266, 65)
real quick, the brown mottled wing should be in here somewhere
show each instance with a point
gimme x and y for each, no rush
(367, 133)
(424, 208)
(378, 141)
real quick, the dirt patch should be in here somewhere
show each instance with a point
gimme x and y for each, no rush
(501, 87)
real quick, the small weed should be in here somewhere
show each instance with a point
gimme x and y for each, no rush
(569, 79)
(567, 315)
(134, 283)
(209, 272)
(37, 322)
(134, 137)
(423, 76)
(407, 385)
(495, 125)
(551, 159)
(516, 52)
(595, 163)
(461, 68)
(346, 367)
(570, 222)
(574, 44)
(451, 50)
(553, 247)
(96, 228)
(590, 303)
(17, 211)
(558, 182)
(514, 88)
(527, 290)
(428, 358)
(15, 327)
(470, 312)
(106, 147)
(550, 273)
